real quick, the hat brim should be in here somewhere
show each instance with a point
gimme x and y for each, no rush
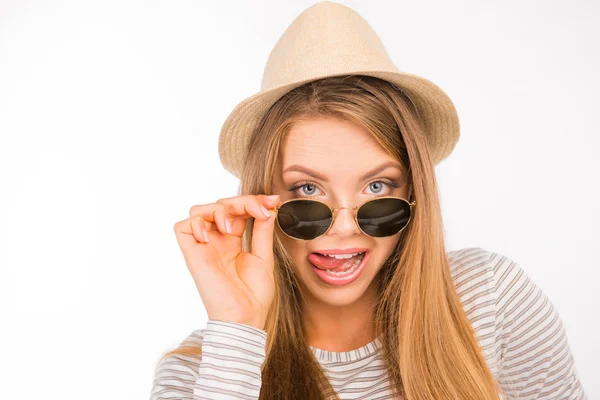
(435, 110)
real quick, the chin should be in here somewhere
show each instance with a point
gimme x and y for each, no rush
(338, 298)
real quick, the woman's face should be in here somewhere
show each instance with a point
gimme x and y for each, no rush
(326, 160)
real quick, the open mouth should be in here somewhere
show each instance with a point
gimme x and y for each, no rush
(337, 264)
(339, 269)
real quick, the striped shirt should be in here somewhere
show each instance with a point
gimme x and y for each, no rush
(519, 329)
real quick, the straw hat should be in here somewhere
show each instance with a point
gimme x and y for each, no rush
(329, 39)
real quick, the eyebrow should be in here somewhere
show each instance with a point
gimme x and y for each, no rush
(316, 175)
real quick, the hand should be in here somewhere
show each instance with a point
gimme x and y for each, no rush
(234, 286)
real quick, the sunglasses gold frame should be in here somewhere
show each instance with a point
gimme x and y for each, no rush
(355, 209)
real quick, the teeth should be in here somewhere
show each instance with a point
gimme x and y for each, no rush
(346, 271)
(342, 256)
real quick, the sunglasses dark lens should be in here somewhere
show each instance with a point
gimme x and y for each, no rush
(304, 219)
(383, 217)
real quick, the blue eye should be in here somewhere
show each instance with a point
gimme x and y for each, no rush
(376, 183)
(303, 184)
(310, 187)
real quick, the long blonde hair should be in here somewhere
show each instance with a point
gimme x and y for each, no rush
(428, 344)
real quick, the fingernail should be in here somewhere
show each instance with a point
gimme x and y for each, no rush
(265, 211)
(228, 226)
(205, 235)
(272, 197)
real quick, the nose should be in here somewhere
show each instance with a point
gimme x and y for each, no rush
(344, 223)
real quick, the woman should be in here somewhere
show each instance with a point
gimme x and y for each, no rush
(328, 277)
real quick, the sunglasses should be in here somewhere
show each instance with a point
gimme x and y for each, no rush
(307, 219)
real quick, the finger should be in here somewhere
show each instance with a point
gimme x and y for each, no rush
(262, 239)
(240, 206)
(212, 215)
(247, 206)
(222, 220)
(271, 201)
(240, 209)
(184, 232)
(244, 207)
(267, 201)
(198, 229)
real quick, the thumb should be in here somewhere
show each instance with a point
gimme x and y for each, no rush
(262, 238)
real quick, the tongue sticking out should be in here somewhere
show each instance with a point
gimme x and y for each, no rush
(331, 263)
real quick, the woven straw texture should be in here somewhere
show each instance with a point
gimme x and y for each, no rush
(330, 39)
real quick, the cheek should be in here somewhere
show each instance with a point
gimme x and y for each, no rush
(383, 249)
(295, 248)
(387, 244)
(298, 251)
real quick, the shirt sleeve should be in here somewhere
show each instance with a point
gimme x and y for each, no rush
(229, 368)
(536, 359)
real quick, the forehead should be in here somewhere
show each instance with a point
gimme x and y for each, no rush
(332, 146)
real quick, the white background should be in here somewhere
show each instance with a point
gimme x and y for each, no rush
(109, 120)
